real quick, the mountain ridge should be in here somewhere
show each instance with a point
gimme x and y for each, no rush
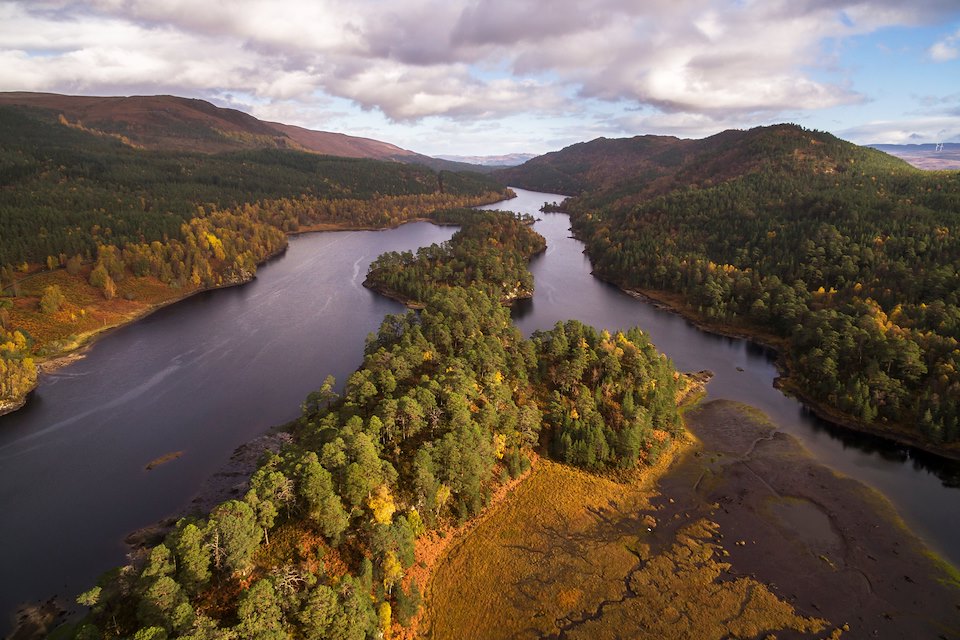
(174, 123)
(649, 165)
(503, 160)
(842, 257)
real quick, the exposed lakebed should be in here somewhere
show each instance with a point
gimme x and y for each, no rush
(925, 489)
(219, 369)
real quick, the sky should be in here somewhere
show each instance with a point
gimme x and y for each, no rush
(486, 77)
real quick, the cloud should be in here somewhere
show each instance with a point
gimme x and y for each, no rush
(917, 130)
(946, 49)
(698, 62)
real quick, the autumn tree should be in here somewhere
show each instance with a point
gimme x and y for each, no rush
(52, 299)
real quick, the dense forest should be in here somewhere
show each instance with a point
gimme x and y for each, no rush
(845, 255)
(448, 404)
(111, 215)
(492, 251)
(65, 191)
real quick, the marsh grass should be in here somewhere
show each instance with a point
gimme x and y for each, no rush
(571, 552)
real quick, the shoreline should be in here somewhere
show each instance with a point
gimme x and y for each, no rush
(766, 489)
(418, 306)
(783, 382)
(438, 549)
(52, 363)
(674, 303)
(762, 520)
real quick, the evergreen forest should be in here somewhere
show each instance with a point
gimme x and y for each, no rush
(449, 403)
(843, 256)
(93, 209)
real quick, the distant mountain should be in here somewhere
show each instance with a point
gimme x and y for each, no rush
(845, 256)
(171, 123)
(643, 166)
(591, 165)
(925, 156)
(506, 160)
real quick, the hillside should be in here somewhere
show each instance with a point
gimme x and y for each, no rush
(643, 166)
(96, 230)
(171, 123)
(843, 255)
(446, 409)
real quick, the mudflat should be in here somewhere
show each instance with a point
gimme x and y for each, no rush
(743, 535)
(831, 546)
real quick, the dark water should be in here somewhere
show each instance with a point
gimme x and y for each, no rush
(923, 488)
(202, 376)
(214, 371)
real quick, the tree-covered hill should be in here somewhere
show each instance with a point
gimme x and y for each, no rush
(64, 189)
(596, 164)
(643, 166)
(172, 123)
(88, 219)
(848, 256)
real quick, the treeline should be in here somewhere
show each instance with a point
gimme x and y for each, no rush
(611, 400)
(490, 250)
(66, 191)
(18, 373)
(105, 211)
(447, 404)
(849, 256)
(215, 248)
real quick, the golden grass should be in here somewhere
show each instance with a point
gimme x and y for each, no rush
(564, 546)
(86, 312)
(552, 547)
(682, 593)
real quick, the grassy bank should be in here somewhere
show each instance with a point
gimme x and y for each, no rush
(677, 303)
(576, 554)
(739, 534)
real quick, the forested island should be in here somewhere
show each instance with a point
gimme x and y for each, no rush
(450, 403)
(97, 232)
(843, 257)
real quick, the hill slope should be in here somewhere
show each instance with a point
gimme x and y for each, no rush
(88, 218)
(171, 123)
(652, 165)
(843, 255)
(62, 185)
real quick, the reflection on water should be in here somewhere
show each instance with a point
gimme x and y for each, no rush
(214, 371)
(923, 487)
(202, 376)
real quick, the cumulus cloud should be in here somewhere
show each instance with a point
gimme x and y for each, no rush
(689, 61)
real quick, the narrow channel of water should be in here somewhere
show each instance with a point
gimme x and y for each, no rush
(212, 372)
(923, 488)
(202, 376)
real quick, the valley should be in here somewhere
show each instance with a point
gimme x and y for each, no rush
(462, 400)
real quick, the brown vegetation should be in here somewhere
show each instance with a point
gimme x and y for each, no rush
(571, 553)
(172, 123)
(746, 537)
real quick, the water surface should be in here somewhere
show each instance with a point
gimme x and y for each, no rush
(202, 376)
(210, 373)
(923, 488)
